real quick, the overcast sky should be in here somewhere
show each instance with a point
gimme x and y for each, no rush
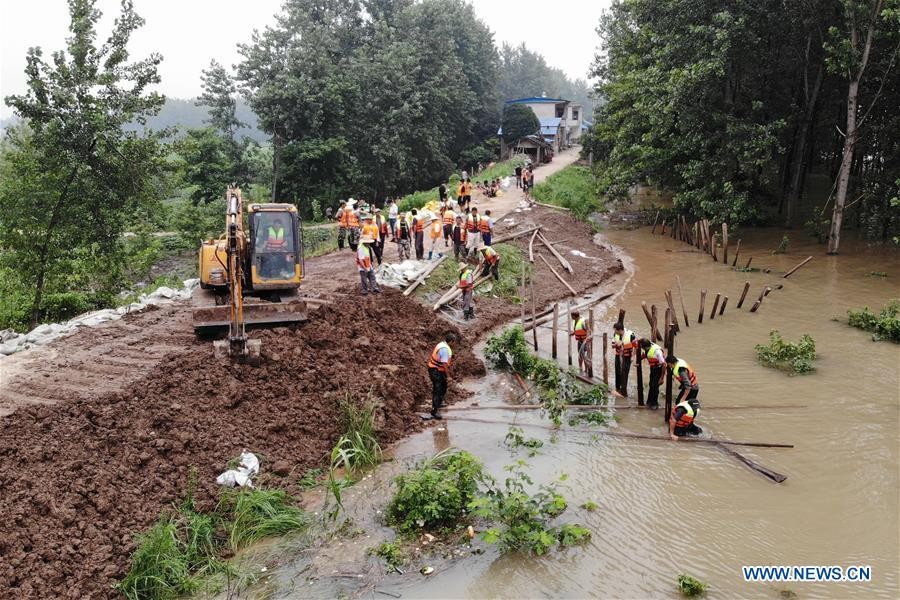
(189, 33)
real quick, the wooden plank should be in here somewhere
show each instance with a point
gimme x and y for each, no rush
(765, 472)
(749, 260)
(759, 301)
(551, 206)
(531, 245)
(558, 276)
(791, 272)
(743, 294)
(583, 306)
(558, 256)
(555, 330)
(649, 318)
(409, 290)
(512, 236)
(456, 292)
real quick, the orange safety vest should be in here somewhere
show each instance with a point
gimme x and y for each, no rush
(682, 364)
(484, 225)
(420, 226)
(461, 190)
(383, 228)
(689, 415)
(491, 256)
(624, 344)
(363, 258)
(436, 229)
(580, 329)
(370, 229)
(352, 219)
(449, 217)
(463, 234)
(655, 355)
(435, 362)
(464, 283)
(472, 223)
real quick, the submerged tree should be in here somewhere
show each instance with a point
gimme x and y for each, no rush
(72, 175)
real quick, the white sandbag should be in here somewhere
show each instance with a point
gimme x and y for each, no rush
(242, 476)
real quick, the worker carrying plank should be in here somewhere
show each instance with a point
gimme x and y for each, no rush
(623, 343)
(687, 405)
(580, 329)
(438, 371)
(490, 262)
(656, 358)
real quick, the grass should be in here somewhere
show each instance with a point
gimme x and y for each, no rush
(884, 326)
(391, 553)
(310, 479)
(359, 439)
(784, 355)
(258, 514)
(573, 187)
(512, 260)
(421, 198)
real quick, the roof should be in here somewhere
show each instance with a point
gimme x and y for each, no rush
(535, 139)
(586, 124)
(550, 126)
(536, 100)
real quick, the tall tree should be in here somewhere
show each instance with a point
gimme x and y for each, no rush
(219, 96)
(74, 174)
(518, 121)
(850, 56)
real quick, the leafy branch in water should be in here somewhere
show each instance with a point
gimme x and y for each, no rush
(515, 438)
(884, 326)
(781, 354)
(690, 586)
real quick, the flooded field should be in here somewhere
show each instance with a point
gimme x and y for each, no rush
(667, 507)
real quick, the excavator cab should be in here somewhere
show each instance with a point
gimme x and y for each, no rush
(276, 251)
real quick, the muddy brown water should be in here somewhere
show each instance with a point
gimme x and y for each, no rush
(667, 508)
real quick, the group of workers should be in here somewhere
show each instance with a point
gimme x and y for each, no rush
(625, 343)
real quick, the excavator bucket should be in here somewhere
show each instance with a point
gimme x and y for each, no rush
(209, 314)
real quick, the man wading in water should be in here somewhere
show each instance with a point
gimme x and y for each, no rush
(687, 406)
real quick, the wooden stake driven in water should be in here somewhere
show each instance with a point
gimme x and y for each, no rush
(672, 309)
(667, 330)
(655, 221)
(737, 252)
(712, 313)
(681, 298)
(702, 305)
(590, 344)
(724, 302)
(759, 301)
(569, 327)
(791, 272)
(724, 243)
(743, 294)
(533, 314)
(670, 351)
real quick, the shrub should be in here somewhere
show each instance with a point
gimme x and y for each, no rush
(391, 553)
(574, 188)
(778, 353)
(884, 326)
(435, 495)
(690, 586)
(523, 519)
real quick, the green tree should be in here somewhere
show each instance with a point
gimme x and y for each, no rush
(207, 164)
(219, 96)
(72, 174)
(518, 121)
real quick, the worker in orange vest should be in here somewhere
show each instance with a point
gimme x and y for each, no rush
(459, 239)
(370, 229)
(449, 218)
(490, 262)
(438, 372)
(474, 235)
(418, 227)
(434, 235)
(623, 343)
(352, 219)
(687, 405)
(486, 228)
(467, 285)
(367, 281)
(580, 329)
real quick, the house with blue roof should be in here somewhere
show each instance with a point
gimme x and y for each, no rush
(561, 120)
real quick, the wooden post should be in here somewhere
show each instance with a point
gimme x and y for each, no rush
(697, 234)
(655, 221)
(590, 357)
(725, 244)
(702, 305)
(621, 315)
(789, 273)
(533, 314)
(712, 313)
(749, 260)
(568, 327)
(672, 309)
(640, 375)
(522, 296)
(743, 294)
(670, 351)
(759, 301)
(724, 302)
(668, 330)
(681, 297)
(654, 331)
(605, 359)
(663, 232)
(737, 253)
(649, 318)
(555, 330)
(713, 249)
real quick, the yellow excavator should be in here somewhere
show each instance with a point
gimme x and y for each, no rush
(250, 276)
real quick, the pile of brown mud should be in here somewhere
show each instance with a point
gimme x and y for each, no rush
(81, 477)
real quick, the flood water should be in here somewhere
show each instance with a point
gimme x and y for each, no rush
(668, 507)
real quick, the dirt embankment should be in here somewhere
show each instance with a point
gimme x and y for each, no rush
(82, 476)
(99, 429)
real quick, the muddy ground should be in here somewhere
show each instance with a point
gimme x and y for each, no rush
(100, 428)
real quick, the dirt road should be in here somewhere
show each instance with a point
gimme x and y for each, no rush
(100, 428)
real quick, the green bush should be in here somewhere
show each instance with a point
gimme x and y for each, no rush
(436, 494)
(691, 587)
(884, 326)
(574, 188)
(523, 519)
(515, 438)
(778, 353)
(391, 553)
